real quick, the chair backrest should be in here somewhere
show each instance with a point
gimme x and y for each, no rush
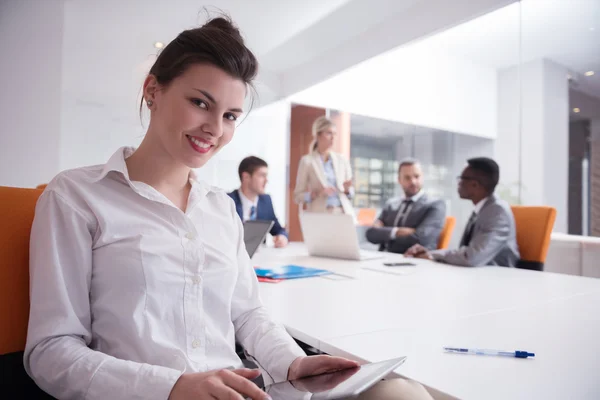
(366, 216)
(16, 216)
(17, 207)
(446, 234)
(41, 186)
(534, 227)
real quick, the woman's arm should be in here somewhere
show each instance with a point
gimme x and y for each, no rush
(267, 342)
(302, 192)
(57, 355)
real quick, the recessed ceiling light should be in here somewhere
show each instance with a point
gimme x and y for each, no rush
(576, 110)
(589, 73)
(592, 29)
(159, 45)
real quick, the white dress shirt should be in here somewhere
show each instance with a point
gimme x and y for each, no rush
(128, 292)
(247, 205)
(403, 216)
(480, 205)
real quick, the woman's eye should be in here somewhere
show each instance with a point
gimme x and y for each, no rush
(200, 103)
(231, 117)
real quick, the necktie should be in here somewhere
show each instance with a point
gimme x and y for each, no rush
(403, 212)
(466, 239)
(253, 213)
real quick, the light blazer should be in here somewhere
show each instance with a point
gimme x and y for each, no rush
(311, 176)
(427, 216)
(493, 242)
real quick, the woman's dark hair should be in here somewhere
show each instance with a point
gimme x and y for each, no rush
(217, 42)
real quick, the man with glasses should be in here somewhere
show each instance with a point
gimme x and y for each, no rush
(415, 218)
(490, 235)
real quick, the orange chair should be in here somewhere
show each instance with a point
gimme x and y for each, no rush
(16, 216)
(41, 186)
(534, 227)
(366, 216)
(446, 234)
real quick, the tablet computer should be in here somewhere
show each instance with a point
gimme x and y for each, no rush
(345, 384)
(255, 232)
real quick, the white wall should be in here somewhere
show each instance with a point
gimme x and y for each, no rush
(414, 86)
(533, 128)
(30, 75)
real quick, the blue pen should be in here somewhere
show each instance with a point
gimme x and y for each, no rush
(483, 352)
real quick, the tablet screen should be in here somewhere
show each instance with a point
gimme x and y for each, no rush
(334, 385)
(254, 234)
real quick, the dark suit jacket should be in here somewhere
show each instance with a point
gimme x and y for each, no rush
(264, 211)
(493, 241)
(427, 217)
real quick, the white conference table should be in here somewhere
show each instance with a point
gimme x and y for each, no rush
(370, 312)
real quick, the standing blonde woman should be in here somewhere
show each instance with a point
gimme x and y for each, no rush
(324, 181)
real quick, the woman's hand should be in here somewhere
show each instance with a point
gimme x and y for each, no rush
(347, 186)
(315, 193)
(329, 191)
(316, 365)
(221, 385)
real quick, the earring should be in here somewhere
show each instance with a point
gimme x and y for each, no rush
(150, 102)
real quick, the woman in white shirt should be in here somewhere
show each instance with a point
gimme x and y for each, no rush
(140, 281)
(324, 180)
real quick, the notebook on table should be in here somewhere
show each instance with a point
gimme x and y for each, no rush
(290, 272)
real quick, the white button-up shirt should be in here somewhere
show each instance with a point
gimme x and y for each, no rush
(247, 205)
(128, 292)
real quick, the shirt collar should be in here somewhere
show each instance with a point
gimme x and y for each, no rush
(247, 201)
(480, 205)
(416, 197)
(117, 164)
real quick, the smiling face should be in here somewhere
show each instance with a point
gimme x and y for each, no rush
(195, 115)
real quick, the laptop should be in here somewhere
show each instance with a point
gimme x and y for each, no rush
(333, 235)
(255, 232)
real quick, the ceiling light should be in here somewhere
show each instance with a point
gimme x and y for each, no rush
(592, 29)
(576, 110)
(159, 45)
(589, 73)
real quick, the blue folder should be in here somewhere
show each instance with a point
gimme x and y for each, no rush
(290, 272)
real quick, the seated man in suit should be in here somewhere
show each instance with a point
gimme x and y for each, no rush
(414, 219)
(250, 199)
(490, 236)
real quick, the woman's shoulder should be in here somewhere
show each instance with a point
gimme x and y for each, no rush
(74, 180)
(73, 189)
(307, 158)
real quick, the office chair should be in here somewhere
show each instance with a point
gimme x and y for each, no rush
(534, 227)
(17, 208)
(446, 234)
(366, 216)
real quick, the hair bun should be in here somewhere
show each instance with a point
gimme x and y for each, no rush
(224, 24)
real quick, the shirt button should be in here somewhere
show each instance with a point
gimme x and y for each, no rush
(196, 280)
(196, 343)
(190, 236)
